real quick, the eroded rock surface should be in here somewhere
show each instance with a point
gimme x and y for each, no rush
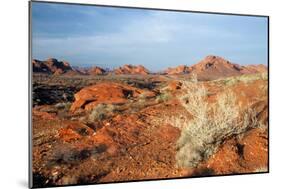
(106, 93)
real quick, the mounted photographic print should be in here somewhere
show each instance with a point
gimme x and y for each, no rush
(121, 94)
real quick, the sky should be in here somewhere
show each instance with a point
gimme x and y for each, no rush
(111, 37)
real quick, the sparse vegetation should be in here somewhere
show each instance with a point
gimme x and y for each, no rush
(100, 112)
(246, 78)
(193, 78)
(104, 137)
(163, 97)
(63, 105)
(143, 96)
(261, 170)
(212, 123)
(139, 104)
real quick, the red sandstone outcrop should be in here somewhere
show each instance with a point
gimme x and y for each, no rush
(96, 71)
(131, 69)
(107, 93)
(182, 69)
(260, 68)
(214, 67)
(51, 66)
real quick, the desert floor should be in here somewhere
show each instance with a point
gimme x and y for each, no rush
(97, 129)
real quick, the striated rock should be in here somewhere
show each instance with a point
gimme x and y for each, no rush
(131, 69)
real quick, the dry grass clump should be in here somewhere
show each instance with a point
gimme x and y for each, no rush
(63, 105)
(261, 170)
(212, 123)
(100, 112)
(193, 78)
(163, 97)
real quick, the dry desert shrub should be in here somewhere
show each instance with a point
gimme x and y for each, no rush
(212, 123)
(261, 170)
(100, 112)
(163, 97)
(175, 121)
(193, 78)
(63, 105)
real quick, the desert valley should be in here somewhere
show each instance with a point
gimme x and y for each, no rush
(99, 125)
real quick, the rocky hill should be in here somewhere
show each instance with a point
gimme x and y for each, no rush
(214, 67)
(209, 68)
(51, 66)
(131, 69)
(96, 71)
(182, 69)
(260, 68)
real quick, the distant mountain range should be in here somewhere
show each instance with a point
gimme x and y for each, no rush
(211, 67)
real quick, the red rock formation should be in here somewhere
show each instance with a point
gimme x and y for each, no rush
(82, 71)
(213, 67)
(108, 93)
(174, 85)
(241, 156)
(260, 68)
(96, 71)
(182, 69)
(131, 69)
(51, 66)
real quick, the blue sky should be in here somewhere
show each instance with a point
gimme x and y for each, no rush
(111, 37)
